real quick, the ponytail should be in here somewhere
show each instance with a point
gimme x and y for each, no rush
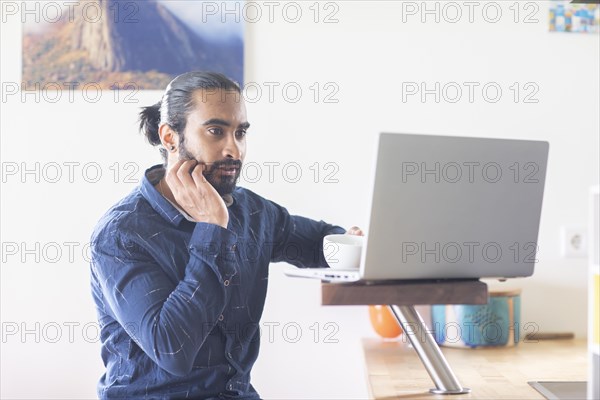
(149, 122)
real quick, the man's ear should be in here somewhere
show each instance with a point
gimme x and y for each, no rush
(168, 137)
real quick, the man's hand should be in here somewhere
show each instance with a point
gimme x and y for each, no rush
(195, 194)
(355, 230)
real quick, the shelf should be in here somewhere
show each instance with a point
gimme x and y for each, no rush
(405, 293)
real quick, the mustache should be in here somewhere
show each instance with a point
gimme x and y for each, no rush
(228, 163)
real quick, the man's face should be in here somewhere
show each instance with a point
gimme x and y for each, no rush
(215, 134)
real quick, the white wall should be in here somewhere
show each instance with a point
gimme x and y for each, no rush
(368, 54)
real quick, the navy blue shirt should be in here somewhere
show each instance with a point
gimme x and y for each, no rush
(179, 302)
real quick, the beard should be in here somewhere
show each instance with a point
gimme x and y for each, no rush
(223, 184)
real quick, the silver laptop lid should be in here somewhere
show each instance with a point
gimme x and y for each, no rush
(454, 207)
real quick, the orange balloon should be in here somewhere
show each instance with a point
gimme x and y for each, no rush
(384, 322)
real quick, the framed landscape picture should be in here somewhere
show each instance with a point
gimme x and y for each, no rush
(116, 43)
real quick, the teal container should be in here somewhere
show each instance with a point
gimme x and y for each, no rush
(469, 326)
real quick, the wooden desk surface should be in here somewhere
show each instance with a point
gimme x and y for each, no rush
(395, 371)
(405, 293)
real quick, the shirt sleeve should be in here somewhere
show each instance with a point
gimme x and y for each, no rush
(299, 240)
(169, 321)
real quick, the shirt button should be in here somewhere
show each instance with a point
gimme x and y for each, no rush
(230, 386)
(221, 317)
(229, 355)
(226, 282)
(233, 247)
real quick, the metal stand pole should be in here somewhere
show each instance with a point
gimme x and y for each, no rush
(429, 352)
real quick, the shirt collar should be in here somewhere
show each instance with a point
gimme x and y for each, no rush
(160, 204)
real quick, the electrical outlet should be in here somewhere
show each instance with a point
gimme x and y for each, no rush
(573, 241)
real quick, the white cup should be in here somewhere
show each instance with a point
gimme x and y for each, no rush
(342, 251)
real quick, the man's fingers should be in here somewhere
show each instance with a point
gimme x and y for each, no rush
(171, 175)
(355, 230)
(186, 167)
(179, 179)
(195, 194)
(175, 167)
(183, 173)
(203, 185)
(198, 174)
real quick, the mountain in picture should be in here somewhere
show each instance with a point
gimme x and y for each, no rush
(140, 42)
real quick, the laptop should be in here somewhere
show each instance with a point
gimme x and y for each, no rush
(449, 207)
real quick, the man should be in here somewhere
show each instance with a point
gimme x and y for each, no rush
(179, 266)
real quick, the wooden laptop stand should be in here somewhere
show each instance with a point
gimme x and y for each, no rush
(401, 297)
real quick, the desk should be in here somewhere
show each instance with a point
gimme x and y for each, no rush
(402, 296)
(394, 370)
